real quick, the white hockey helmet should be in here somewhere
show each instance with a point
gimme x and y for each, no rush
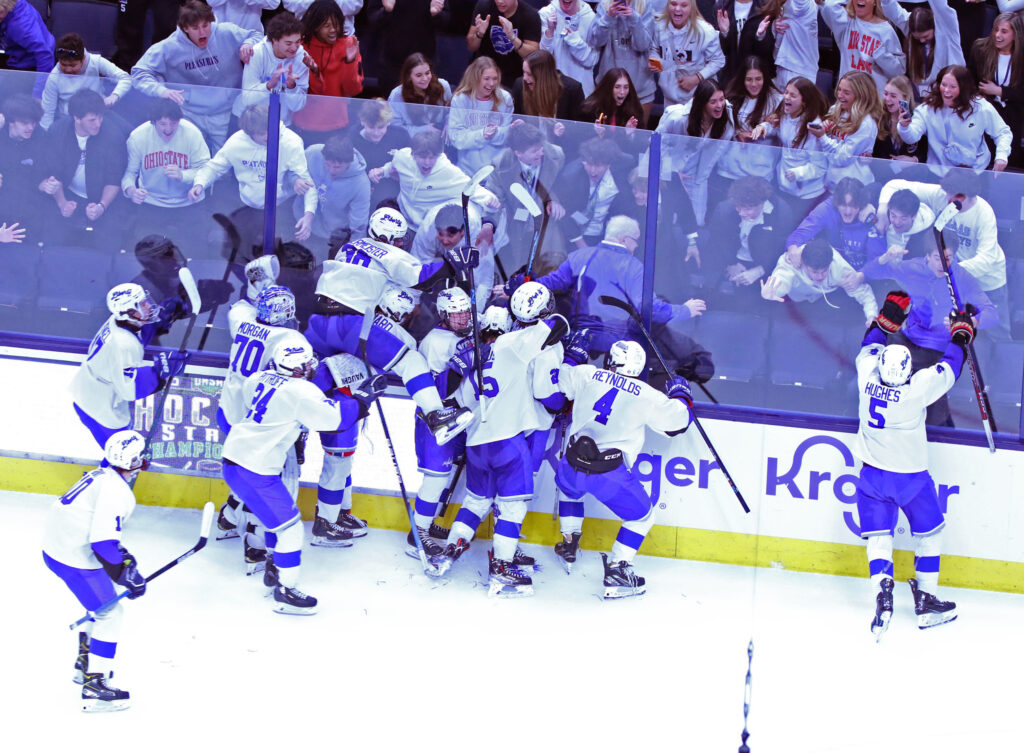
(625, 357)
(894, 365)
(275, 305)
(531, 302)
(130, 302)
(125, 450)
(455, 310)
(388, 226)
(260, 273)
(293, 357)
(495, 321)
(396, 302)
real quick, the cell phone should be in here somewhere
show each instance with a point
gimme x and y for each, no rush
(904, 107)
(816, 125)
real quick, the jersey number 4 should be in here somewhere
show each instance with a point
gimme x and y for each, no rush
(875, 411)
(260, 400)
(603, 407)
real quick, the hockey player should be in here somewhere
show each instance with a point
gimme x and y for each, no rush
(82, 547)
(280, 402)
(498, 468)
(112, 376)
(349, 290)
(892, 443)
(611, 410)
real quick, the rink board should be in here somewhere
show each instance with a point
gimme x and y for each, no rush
(798, 482)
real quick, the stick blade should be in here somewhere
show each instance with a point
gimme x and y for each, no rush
(519, 191)
(206, 524)
(191, 289)
(609, 300)
(478, 177)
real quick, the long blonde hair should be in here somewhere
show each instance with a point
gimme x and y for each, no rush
(865, 102)
(471, 79)
(692, 23)
(886, 126)
(876, 13)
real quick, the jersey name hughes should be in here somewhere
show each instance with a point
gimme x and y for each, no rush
(617, 380)
(167, 157)
(889, 394)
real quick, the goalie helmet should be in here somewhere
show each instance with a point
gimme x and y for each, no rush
(388, 226)
(455, 311)
(894, 365)
(293, 357)
(260, 273)
(495, 321)
(531, 302)
(125, 450)
(396, 302)
(130, 302)
(625, 357)
(275, 305)
(347, 371)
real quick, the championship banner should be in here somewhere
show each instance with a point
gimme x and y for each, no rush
(186, 436)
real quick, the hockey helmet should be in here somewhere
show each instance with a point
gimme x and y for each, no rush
(388, 226)
(495, 321)
(275, 305)
(895, 365)
(125, 450)
(396, 302)
(625, 357)
(260, 273)
(130, 302)
(531, 302)
(293, 357)
(455, 310)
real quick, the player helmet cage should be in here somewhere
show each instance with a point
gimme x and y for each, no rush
(130, 302)
(293, 357)
(125, 450)
(625, 357)
(895, 365)
(275, 305)
(396, 303)
(495, 321)
(455, 311)
(388, 226)
(531, 302)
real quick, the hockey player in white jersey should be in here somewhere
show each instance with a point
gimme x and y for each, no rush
(498, 467)
(112, 376)
(352, 285)
(82, 546)
(280, 402)
(892, 443)
(611, 410)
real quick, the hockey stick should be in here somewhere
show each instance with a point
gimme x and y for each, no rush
(608, 300)
(988, 421)
(535, 211)
(745, 735)
(236, 242)
(449, 490)
(204, 534)
(478, 177)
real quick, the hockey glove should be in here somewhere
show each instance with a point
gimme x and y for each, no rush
(514, 282)
(369, 391)
(300, 447)
(961, 329)
(894, 311)
(169, 366)
(461, 259)
(463, 362)
(174, 308)
(678, 388)
(127, 574)
(577, 348)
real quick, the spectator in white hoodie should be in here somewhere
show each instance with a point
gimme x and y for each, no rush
(932, 39)
(796, 42)
(867, 42)
(242, 13)
(277, 66)
(850, 129)
(564, 27)
(77, 68)
(686, 49)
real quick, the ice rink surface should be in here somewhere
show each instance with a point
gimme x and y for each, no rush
(397, 661)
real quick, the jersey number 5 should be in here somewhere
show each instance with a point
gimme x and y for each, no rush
(875, 411)
(260, 402)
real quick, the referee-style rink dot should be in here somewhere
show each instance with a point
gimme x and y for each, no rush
(395, 660)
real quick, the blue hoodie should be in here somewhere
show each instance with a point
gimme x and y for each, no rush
(857, 241)
(28, 43)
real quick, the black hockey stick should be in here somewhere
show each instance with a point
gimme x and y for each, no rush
(478, 177)
(608, 300)
(236, 242)
(204, 534)
(449, 490)
(745, 735)
(988, 420)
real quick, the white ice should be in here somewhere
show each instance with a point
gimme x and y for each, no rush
(395, 660)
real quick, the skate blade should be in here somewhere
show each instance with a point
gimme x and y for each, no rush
(289, 609)
(438, 566)
(505, 591)
(566, 565)
(446, 434)
(925, 621)
(358, 533)
(880, 624)
(78, 677)
(225, 535)
(331, 543)
(94, 705)
(623, 592)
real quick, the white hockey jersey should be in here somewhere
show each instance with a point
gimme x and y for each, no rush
(891, 435)
(104, 385)
(437, 347)
(390, 325)
(613, 409)
(252, 346)
(358, 276)
(93, 510)
(277, 407)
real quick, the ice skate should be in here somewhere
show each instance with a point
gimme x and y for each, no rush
(522, 560)
(97, 695)
(438, 531)
(255, 559)
(447, 423)
(507, 580)
(328, 534)
(567, 549)
(271, 576)
(437, 563)
(356, 526)
(82, 662)
(883, 609)
(293, 601)
(930, 611)
(443, 562)
(620, 581)
(227, 520)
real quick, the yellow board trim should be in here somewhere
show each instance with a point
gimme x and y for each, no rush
(388, 512)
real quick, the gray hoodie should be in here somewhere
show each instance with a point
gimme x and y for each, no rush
(343, 201)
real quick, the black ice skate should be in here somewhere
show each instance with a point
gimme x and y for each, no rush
(507, 580)
(883, 608)
(271, 576)
(351, 523)
(443, 563)
(620, 581)
(522, 560)
(255, 559)
(293, 601)
(97, 695)
(567, 549)
(447, 423)
(930, 611)
(328, 534)
(82, 662)
(437, 563)
(227, 519)
(438, 531)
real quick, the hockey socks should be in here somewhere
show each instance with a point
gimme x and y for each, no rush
(511, 514)
(879, 551)
(631, 536)
(334, 490)
(427, 499)
(570, 516)
(927, 551)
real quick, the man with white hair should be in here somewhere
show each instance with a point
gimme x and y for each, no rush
(609, 268)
